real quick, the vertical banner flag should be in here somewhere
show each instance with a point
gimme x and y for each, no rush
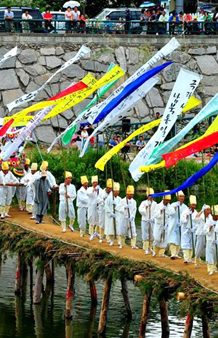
(31, 96)
(8, 55)
(185, 85)
(120, 111)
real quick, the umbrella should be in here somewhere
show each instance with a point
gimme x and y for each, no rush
(147, 4)
(71, 4)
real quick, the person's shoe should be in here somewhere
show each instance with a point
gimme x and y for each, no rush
(134, 247)
(100, 240)
(186, 261)
(120, 246)
(37, 222)
(163, 256)
(211, 273)
(154, 254)
(71, 228)
(64, 230)
(173, 257)
(177, 256)
(32, 217)
(215, 271)
(2, 216)
(146, 252)
(91, 237)
(6, 215)
(196, 266)
(81, 235)
(111, 243)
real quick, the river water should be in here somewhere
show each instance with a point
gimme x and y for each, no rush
(19, 318)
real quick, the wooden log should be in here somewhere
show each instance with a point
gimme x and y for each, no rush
(18, 278)
(38, 285)
(0, 263)
(188, 326)
(93, 293)
(164, 318)
(144, 316)
(205, 326)
(104, 307)
(70, 291)
(49, 273)
(31, 280)
(125, 294)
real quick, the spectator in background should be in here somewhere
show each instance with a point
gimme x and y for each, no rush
(120, 26)
(143, 16)
(76, 15)
(153, 16)
(113, 142)
(69, 17)
(128, 21)
(187, 17)
(148, 14)
(82, 23)
(201, 16)
(48, 19)
(164, 17)
(108, 25)
(140, 143)
(207, 17)
(181, 17)
(157, 117)
(173, 19)
(215, 15)
(25, 25)
(9, 16)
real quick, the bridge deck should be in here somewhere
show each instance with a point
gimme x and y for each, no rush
(20, 218)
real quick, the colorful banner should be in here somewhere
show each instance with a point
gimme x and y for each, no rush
(175, 156)
(93, 112)
(5, 127)
(8, 55)
(191, 180)
(31, 96)
(70, 130)
(210, 109)
(100, 164)
(120, 111)
(185, 85)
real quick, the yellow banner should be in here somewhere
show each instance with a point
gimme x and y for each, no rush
(100, 164)
(212, 129)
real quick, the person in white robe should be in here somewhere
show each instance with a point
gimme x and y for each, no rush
(147, 209)
(93, 215)
(174, 229)
(188, 226)
(102, 196)
(27, 181)
(162, 216)
(210, 233)
(82, 203)
(67, 192)
(50, 176)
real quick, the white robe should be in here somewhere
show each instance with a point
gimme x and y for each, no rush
(6, 193)
(161, 227)
(82, 203)
(200, 234)
(27, 180)
(93, 215)
(175, 225)
(147, 220)
(210, 242)
(66, 207)
(128, 217)
(187, 229)
(102, 196)
(111, 209)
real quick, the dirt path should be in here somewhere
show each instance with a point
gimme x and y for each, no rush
(48, 229)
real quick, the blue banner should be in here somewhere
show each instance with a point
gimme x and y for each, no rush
(128, 90)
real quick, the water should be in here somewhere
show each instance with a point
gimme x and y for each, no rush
(19, 318)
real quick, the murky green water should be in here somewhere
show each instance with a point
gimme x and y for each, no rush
(21, 319)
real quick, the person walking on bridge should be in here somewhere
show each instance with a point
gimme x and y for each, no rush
(147, 210)
(211, 258)
(102, 196)
(42, 191)
(93, 216)
(27, 180)
(6, 192)
(82, 203)
(67, 192)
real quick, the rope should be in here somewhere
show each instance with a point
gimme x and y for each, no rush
(37, 146)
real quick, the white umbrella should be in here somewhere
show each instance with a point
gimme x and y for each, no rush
(71, 4)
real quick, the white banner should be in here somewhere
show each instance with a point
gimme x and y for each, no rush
(185, 85)
(31, 96)
(166, 50)
(120, 111)
(8, 55)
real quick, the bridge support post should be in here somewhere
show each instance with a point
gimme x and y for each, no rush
(104, 307)
(21, 274)
(205, 326)
(188, 326)
(164, 318)
(49, 273)
(144, 316)
(70, 291)
(125, 294)
(38, 284)
(93, 293)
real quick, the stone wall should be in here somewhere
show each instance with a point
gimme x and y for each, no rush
(37, 61)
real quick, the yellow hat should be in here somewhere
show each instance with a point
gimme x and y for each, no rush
(5, 166)
(45, 163)
(44, 166)
(94, 179)
(84, 179)
(116, 186)
(192, 199)
(149, 191)
(167, 197)
(130, 189)
(109, 183)
(215, 210)
(180, 193)
(34, 166)
(68, 174)
(27, 161)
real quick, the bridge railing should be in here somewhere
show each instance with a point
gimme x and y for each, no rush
(108, 27)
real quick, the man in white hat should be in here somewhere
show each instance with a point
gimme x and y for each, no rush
(147, 209)
(67, 192)
(174, 229)
(113, 211)
(6, 192)
(102, 196)
(209, 228)
(82, 203)
(41, 201)
(163, 213)
(129, 208)
(27, 180)
(188, 225)
(201, 218)
(93, 215)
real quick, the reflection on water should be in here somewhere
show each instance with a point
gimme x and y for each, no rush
(19, 318)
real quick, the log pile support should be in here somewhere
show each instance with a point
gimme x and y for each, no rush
(205, 325)
(38, 284)
(104, 307)
(93, 293)
(70, 291)
(125, 294)
(188, 326)
(164, 318)
(144, 316)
